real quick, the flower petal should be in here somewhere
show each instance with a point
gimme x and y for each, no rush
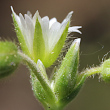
(52, 21)
(29, 14)
(29, 31)
(54, 35)
(23, 25)
(74, 29)
(24, 30)
(45, 29)
(55, 47)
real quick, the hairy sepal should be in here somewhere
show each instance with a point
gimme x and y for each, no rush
(66, 76)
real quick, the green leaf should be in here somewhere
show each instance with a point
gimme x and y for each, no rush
(9, 59)
(66, 76)
(38, 42)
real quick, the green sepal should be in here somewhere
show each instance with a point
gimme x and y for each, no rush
(38, 90)
(105, 72)
(66, 76)
(42, 96)
(79, 83)
(9, 59)
(38, 42)
(20, 37)
(50, 58)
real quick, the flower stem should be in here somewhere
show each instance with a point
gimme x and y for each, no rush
(92, 71)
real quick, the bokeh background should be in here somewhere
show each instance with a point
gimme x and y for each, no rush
(94, 17)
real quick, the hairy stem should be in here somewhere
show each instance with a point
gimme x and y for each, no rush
(92, 71)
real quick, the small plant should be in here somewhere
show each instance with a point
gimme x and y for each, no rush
(41, 41)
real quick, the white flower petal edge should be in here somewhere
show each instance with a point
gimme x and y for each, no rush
(53, 20)
(74, 29)
(51, 29)
(56, 29)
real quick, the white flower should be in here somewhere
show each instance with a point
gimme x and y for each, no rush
(52, 30)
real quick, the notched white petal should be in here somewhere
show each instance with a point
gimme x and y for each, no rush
(29, 14)
(29, 21)
(54, 34)
(74, 29)
(30, 30)
(45, 18)
(53, 20)
(45, 29)
(45, 23)
(23, 23)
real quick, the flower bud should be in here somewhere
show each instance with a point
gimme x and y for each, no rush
(41, 38)
(9, 59)
(66, 76)
(105, 74)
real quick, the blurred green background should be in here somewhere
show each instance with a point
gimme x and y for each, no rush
(94, 17)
